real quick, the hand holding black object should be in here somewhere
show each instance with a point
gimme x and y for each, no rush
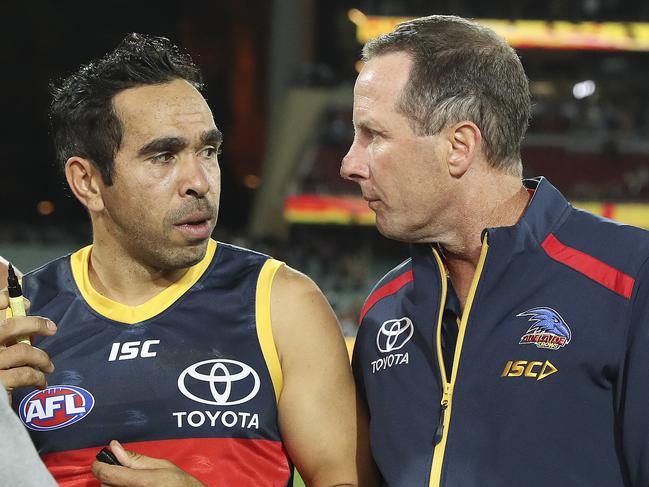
(106, 456)
(138, 470)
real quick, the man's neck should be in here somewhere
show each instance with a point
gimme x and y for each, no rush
(497, 203)
(120, 276)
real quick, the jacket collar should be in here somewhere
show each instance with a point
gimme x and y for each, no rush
(545, 211)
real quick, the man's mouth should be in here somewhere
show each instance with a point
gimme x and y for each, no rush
(372, 202)
(196, 226)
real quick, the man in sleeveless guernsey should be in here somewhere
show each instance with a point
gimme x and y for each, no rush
(511, 349)
(222, 361)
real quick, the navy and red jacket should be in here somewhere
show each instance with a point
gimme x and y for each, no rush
(542, 380)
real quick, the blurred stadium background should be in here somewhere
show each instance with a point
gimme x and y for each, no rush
(279, 80)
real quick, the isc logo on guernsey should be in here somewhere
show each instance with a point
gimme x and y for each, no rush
(55, 407)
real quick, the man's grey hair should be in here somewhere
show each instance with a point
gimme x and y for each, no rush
(462, 71)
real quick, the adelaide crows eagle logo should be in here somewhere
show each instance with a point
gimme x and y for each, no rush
(548, 330)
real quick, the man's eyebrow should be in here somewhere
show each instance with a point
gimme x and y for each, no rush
(212, 137)
(163, 144)
(367, 124)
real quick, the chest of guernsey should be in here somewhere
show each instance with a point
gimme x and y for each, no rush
(191, 375)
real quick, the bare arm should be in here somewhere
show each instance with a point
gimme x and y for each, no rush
(318, 419)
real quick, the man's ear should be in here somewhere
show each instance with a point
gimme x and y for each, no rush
(465, 139)
(86, 182)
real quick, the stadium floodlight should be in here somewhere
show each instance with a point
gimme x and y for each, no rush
(583, 89)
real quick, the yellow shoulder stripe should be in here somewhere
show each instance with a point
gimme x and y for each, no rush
(264, 323)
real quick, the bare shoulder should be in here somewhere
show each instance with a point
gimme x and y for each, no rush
(290, 284)
(293, 292)
(301, 314)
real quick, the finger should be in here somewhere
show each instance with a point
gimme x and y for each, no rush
(22, 354)
(97, 469)
(25, 326)
(105, 473)
(135, 460)
(22, 377)
(4, 301)
(115, 476)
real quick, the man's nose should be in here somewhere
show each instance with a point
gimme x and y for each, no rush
(354, 165)
(195, 180)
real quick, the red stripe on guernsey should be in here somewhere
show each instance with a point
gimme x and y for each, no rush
(609, 277)
(213, 461)
(390, 288)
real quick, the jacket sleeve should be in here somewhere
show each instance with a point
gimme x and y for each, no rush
(633, 412)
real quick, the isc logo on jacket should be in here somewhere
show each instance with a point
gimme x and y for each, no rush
(532, 369)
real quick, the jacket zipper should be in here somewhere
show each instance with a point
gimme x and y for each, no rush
(441, 433)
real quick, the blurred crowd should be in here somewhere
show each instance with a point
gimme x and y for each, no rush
(592, 148)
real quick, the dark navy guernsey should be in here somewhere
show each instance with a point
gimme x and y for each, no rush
(191, 375)
(548, 382)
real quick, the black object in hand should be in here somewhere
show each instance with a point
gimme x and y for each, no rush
(106, 456)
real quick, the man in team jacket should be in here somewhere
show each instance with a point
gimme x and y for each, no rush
(510, 350)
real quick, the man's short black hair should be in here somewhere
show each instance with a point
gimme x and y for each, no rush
(84, 122)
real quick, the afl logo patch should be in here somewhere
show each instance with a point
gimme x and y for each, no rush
(394, 334)
(55, 407)
(220, 382)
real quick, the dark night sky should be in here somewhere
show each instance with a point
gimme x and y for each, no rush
(46, 40)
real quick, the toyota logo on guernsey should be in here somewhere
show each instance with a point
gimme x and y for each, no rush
(55, 407)
(220, 382)
(394, 334)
